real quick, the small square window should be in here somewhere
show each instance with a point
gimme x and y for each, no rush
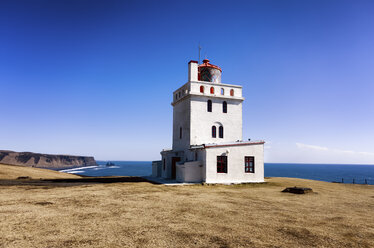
(249, 164)
(221, 164)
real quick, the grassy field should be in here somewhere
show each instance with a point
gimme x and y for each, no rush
(15, 171)
(146, 215)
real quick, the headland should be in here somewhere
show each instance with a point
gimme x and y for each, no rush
(40, 160)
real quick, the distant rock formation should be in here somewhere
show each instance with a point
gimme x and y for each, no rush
(44, 160)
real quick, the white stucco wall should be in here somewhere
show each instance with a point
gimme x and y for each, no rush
(166, 170)
(156, 168)
(181, 119)
(194, 88)
(190, 172)
(235, 160)
(168, 156)
(192, 71)
(202, 120)
(190, 113)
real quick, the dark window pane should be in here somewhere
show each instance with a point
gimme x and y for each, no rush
(221, 164)
(224, 107)
(209, 106)
(221, 132)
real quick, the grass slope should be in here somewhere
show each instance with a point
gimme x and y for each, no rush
(15, 171)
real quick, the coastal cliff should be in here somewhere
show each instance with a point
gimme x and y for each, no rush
(44, 160)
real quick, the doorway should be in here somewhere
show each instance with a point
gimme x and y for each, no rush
(174, 161)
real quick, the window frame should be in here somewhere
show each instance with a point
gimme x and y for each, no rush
(222, 164)
(247, 164)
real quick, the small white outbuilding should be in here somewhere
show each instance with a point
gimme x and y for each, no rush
(208, 142)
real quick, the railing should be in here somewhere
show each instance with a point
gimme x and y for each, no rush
(354, 181)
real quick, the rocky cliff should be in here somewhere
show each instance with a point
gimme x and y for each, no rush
(44, 160)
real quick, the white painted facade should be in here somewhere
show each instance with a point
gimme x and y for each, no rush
(195, 149)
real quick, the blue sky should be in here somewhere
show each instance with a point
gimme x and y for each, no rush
(96, 77)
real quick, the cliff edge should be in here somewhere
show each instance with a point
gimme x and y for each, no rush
(44, 160)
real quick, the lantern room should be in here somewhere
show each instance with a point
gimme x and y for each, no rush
(209, 73)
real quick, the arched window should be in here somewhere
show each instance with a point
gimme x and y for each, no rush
(209, 106)
(224, 107)
(214, 132)
(231, 92)
(180, 132)
(211, 90)
(202, 89)
(222, 91)
(221, 132)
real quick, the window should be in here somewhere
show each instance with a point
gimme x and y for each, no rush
(231, 92)
(221, 131)
(249, 164)
(222, 91)
(202, 89)
(211, 90)
(221, 164)
(224, 107)
(180, 132)
(209, 106)
(164, 164)
(179, 94)
(214, 132)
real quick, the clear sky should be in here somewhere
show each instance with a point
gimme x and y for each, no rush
(96, 77)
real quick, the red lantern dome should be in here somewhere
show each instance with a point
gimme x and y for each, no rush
(209, 72)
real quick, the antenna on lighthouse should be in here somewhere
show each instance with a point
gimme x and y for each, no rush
(199, 52)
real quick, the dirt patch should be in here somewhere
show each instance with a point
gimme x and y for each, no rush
(44, 203)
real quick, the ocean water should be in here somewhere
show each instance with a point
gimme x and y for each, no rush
(322, 172)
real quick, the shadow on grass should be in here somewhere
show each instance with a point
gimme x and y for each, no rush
(66, 182)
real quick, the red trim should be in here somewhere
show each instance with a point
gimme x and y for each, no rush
(193, 61)
(239, 144)
(207, 64)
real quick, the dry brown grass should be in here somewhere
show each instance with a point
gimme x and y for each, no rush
(147, 215)
(15, 171)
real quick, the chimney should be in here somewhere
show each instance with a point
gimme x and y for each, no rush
(192, 70)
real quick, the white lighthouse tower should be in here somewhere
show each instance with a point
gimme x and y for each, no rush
(208, 142)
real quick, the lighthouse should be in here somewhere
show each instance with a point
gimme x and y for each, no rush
(208, 141)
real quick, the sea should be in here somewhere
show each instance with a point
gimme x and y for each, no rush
(342, 173)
